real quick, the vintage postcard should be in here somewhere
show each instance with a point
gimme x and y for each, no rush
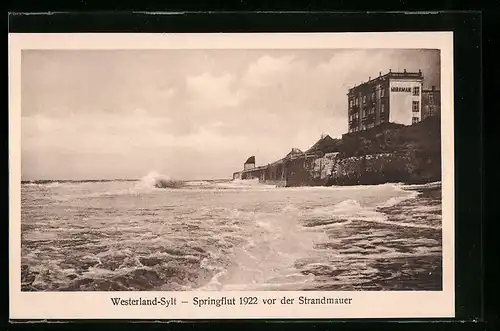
(209, 176)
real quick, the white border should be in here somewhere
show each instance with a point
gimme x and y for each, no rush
(385, 304)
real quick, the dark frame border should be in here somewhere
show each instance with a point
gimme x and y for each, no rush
(467, 84)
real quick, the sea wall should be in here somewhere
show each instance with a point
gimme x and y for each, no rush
(312, 170)
(302, 172)
(385, 154)
(370, 169)
(391, 153)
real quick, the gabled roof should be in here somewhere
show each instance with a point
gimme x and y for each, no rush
(325, 144)
(294, 151)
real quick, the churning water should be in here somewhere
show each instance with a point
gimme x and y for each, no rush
(157, 234)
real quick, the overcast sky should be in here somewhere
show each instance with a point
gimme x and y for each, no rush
(188, 114)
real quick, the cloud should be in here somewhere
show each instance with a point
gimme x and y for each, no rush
(198, 113)
(59, 82)
(210, 91)
(287, 95)
(262, 72)
(132, 144)
(302, 92)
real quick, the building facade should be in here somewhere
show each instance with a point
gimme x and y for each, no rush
(395, 97)
(431, 102)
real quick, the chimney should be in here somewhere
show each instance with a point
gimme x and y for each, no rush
(380, 73)
(433, 87)
(405, 71)
(420, 71)
(369, 78)
(390, 70)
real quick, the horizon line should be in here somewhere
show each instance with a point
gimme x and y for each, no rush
(108, 180)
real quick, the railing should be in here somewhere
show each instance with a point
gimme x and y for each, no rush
(405, 74)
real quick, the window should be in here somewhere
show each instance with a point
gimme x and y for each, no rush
(382, 120)
(382, 92)
(416, 90)
(382, 106)
(431, 98)
(373, 95)
(416, 106)
(414, 120)
(373, 110)
(364, 98)
(430, 111)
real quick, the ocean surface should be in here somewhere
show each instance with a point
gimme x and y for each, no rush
(228, 235)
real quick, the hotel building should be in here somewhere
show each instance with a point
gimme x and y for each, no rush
(431, 102)
(395, 97)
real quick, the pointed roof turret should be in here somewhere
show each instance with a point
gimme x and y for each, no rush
(250, 160)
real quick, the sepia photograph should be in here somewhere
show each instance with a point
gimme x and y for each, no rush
(231, 169)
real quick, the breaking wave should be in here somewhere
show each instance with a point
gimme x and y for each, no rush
(406, 195)
(156, 180)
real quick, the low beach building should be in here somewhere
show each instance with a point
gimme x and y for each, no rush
(249, 163)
